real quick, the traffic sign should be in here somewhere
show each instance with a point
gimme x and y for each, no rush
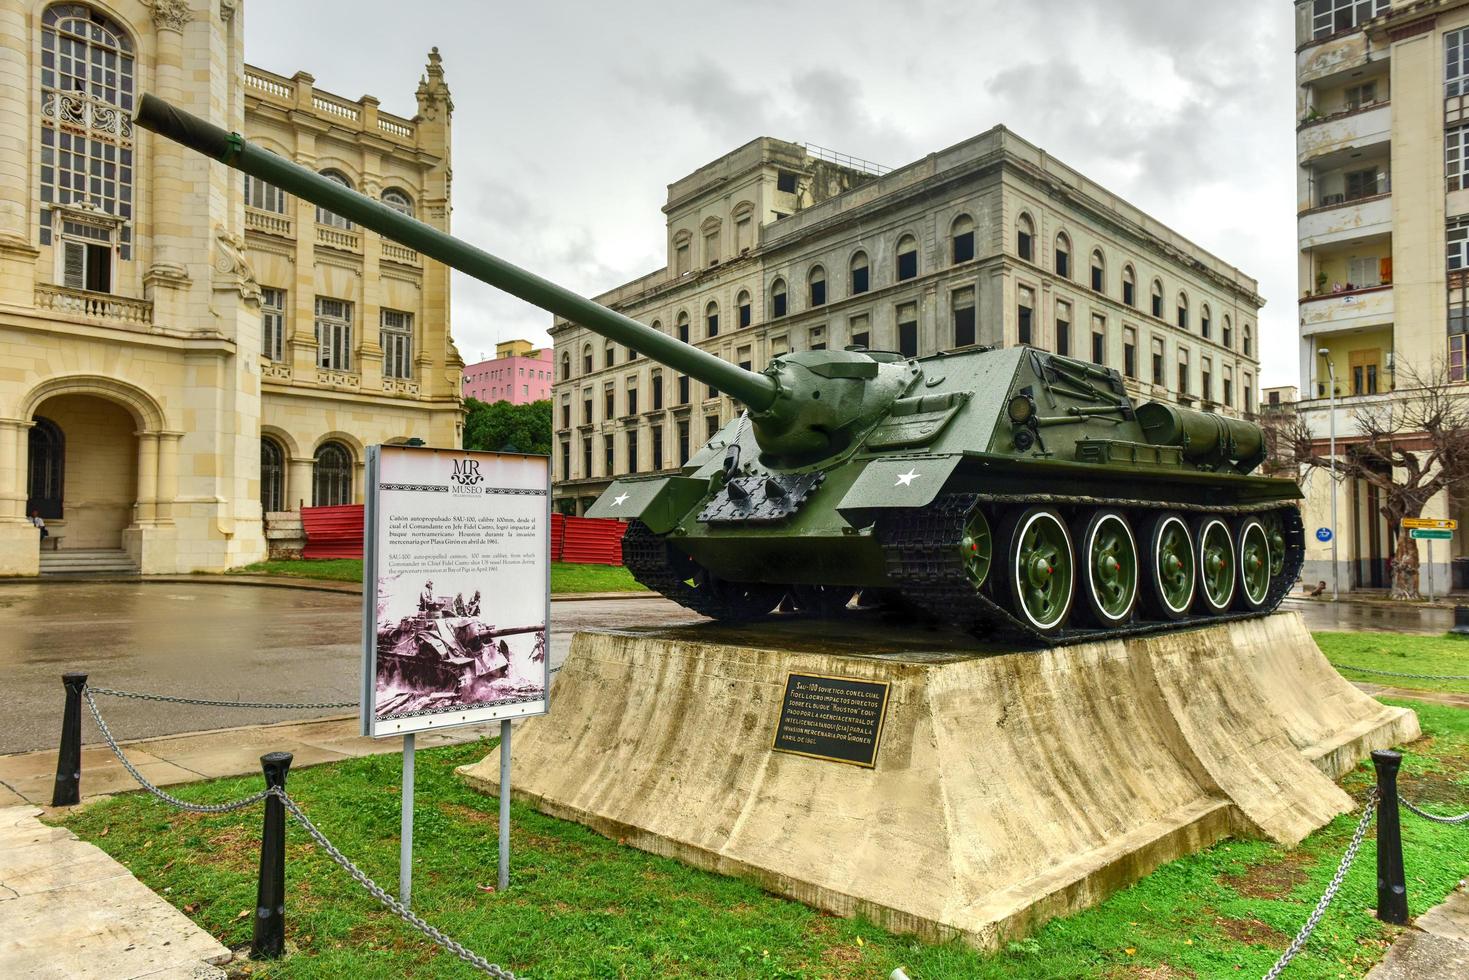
(1429, 534)
(1323, 534)
(1431, 523)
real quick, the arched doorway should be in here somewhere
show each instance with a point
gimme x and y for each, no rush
(332, 476)
(272, 476)
(83, 466)
(46, 469)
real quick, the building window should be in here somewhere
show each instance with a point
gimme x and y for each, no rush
(961, 235)
(1364, 365)
(1330, 17)
(609, 357)
(565, 366)
(1204, 326)
(742, 308)
(681, 254)
(46, 469)
(331, 476)
(816, 284)
(1458, 243)
(778, 298)
(565, 412)
(1025, 238)
(586, 410)
(711, 320)
(779, 345)
(711, 244)
(1099, 272)
(333, 334)
(272, 322)
(1157, 307)
(1024, 317)
(399, 201)
(1456, 64)
(1453, 141)
(815, 340)
(657, 390)
(1129, 286)
(325, 217)
(565, 459)
(1249, 393)
(632, 450)
(655, 439)
(683, 326)
(1228, 387)
(860, 282)
(609, 449)
(1063, 329)
(586, 457)
(1226, 334)
(1367, 182)
(1158, 362)
(683, 442)
(683, 389)
(1182, 371)
(1099, 339)
(907, 258)
(609, 401)
(963, 314)
(272, 476)
(785, 182)
(742, 357)
(397, 344)
(1247, 339)
(85, 256)
(859, 330)
(744, 230)
(1182, 312)
(86, 112)
(1206, 379)
(1456, 358)
(711, 427)
(632, 395)
(264, 197)
(1129, 351)
(1063, 256)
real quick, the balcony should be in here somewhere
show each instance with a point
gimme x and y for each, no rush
(269, 223)
(1336, 219)
(1349, 310)
(1352, 129)
(343, 239)
(393, 252)
(299, 94)
(104, 307)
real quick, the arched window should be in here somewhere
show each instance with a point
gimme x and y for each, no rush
(742, 309)
(778, 298)
(711, 320)
(609, 356)
(1226, 335)
(1204, 325)
(325, 217)
(1247, 336)
(682, 253)
(907, 257)
(1182, 311)
(1025, 237)
(683, 326)
(264, 197)
(586, 359)
(1063, 256)
(332, 476)
(1099, 272)
(816, 285)
(86, 112)
(398, 200)
(272, 476)
(1157, 307)
(46, 469)
(565, 365)
(961, 238)
(1129, 286)
(860, 280)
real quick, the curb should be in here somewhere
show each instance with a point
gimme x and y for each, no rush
(278, 582)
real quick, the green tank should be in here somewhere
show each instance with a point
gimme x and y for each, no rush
(1000, 490)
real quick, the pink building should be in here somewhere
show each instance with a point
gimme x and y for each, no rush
(518, 374)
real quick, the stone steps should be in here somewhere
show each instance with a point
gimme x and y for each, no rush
(83, 561)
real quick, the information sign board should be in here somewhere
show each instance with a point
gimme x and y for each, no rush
(1433, 523)
(1429, 534)
(835, 718)
(456, 588)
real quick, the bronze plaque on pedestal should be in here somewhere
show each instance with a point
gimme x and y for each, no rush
(832, 718)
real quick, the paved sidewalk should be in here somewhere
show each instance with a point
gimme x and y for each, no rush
(28, 777)
(68, 910)
(1435, 945)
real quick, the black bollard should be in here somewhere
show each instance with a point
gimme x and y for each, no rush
(1392, 885)
(1461, 620)
(269, 941)
(68, 789)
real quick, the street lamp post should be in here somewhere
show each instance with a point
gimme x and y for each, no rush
(1331, 411)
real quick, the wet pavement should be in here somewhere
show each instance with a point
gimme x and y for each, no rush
(227, 642)
(1373, 617)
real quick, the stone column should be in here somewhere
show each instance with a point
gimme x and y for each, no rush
(168, 474)
(147, 506)
(298, 482)
(175, 236)
(12, 469)
(17, 121)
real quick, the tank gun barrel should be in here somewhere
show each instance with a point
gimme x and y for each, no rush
(758, 391)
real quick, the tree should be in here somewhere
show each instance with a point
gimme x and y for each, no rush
(1411, 444)
(503, 427)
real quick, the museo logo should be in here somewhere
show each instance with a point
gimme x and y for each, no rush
(466, 472)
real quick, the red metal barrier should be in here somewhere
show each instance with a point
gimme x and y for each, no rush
(592, 541)
(332, 532)
(558, 535)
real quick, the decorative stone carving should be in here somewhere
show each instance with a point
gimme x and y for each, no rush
(232, 265)
(227, 10)
(172, 15)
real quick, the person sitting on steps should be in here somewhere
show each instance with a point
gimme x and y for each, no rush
(36, 520)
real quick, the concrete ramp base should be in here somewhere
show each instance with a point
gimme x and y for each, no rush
(1007, 788)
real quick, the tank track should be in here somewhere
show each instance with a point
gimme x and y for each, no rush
(656, 564)
(922, 558)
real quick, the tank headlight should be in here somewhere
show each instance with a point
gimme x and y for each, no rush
(1021, 409)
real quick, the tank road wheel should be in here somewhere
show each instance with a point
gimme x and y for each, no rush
(1255, 559)
(977, 548)
(1216, 563)
(1110, 577)
(1039, 576)
(1170, 567)
(1275, 536)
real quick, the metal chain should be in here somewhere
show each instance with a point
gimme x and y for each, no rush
(1388, 673)
(392, 904)
(1299, 943)
(1436, 818)
(171, 699)
(165, 797)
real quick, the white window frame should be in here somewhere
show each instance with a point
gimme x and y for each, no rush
(1324, 15)
(325, 217)
(333, 334)
(264, 196)
(1456, 62)
(272, 322)
(397, 343)
(73, 240)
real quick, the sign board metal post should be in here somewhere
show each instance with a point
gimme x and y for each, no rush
(1430, 529)
(405, 835)
(1430, 569)
(504, 879)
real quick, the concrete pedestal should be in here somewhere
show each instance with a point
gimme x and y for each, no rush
(1008, 788)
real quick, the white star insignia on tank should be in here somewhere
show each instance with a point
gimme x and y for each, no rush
(906, 479)
(619, 500)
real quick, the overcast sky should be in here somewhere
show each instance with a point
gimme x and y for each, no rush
(571, 118)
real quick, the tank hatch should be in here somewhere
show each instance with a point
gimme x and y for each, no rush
(760, 498)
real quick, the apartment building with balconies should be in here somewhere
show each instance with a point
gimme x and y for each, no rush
(1383, 230)
(779, 246)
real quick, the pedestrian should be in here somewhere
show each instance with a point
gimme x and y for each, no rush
(36, 520)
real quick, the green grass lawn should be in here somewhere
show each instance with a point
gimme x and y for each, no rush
(1402, 654)
(566, 578)
(584, 906)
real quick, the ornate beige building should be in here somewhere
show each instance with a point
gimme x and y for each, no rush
(182, 348)
(778, 246)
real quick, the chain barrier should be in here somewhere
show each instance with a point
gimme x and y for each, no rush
(392, 904)
(1436, 818)
(239, 804)
(172, 699)
(1314, 919)
(1416, 677)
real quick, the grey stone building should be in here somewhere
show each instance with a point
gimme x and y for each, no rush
(779, 246)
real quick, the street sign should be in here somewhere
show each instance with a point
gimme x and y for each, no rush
(1323, 534)
(1431, 523)
(1429, 534)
